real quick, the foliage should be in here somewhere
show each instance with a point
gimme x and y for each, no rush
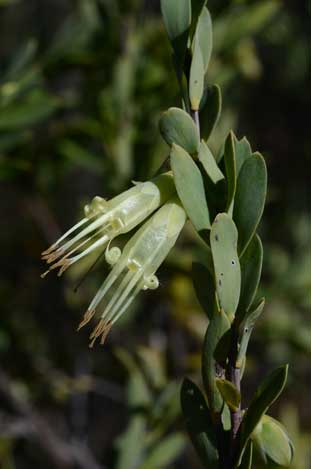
(73, 126)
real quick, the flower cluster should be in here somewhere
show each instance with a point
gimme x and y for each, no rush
(134, 269)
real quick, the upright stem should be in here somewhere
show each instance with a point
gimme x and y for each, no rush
(234, 375)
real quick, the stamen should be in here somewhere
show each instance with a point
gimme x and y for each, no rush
(127, 303)
(75, 227)
(127, 284)
(86, 318)
(102, 329)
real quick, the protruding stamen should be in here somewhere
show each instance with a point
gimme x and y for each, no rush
(86, 318)
(102, 329)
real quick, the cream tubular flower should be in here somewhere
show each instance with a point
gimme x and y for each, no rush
(135, 269)
(104, 220)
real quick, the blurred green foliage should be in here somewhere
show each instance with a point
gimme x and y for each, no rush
(82, 86)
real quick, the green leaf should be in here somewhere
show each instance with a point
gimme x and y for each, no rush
(247, 457)
(213, 110)
(273, 440)
(250, 199)
(247, 329)
(231, 174)
(177, 20)
(209, 163)
(204, 34)
(251, 265)
(223, 238)
(235, 25)
(176, 126)
(199, 424)
(190, 188)
(165, 452)
(229, 392)
(203, 283)
(243, 151)
(196, 79)
(131, 444)
(37, 107)
(214, 341)
(176, 16)
(265, 395)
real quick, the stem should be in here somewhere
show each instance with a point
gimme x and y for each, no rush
(234, 375)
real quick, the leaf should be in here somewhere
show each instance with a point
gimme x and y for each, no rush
(273, 440)
(247, 457)
(215, 335)
(230, 165)
(223, 238)
(131, 444)
(203, 283)
(209, 163)
(251, 265)
(37, 107)
(235, 25)
(196, 7)
(250, 199)
(177, 20)
(165, 452)
(213, 110)
(204, 35)
(199, 423)
(243, 151)
(190, 188)
(247, 329)
(21, 59)
(265, 395)
(176, 126)
(138, 392)
(196, 78)
(229, 392)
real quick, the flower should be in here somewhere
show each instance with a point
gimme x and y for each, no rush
(135, 268)
(104, 220)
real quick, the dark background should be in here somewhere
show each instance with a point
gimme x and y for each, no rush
(82, 86)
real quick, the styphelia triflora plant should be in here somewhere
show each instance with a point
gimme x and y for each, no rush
(223, 197)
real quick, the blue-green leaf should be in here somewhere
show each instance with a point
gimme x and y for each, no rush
(251, 265)
(230, 165)
(209, 163)
(224, 238)
(199, 424)
(176, 126)
(204, 35)
(247, 329)
(265, 395)
(250, 198)
(214, 350)
(196, 78)
(212, 110)
(190, 188)
(242, 152)
(203, 283)
(177, 20)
